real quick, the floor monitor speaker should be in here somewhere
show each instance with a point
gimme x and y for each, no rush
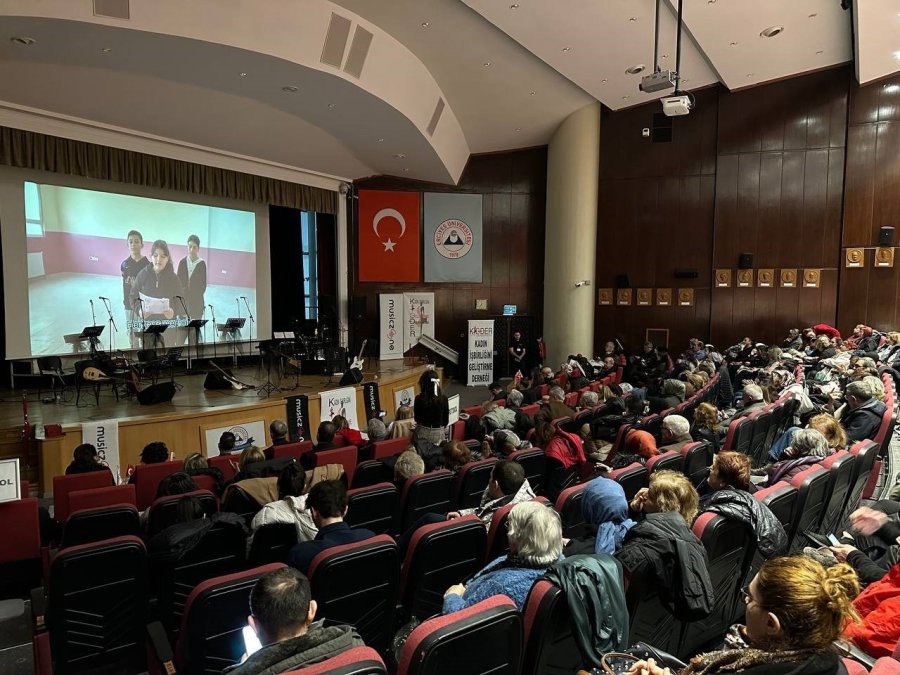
(157, 393)
(352, 376)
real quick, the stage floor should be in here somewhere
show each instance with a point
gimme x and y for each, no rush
(192, 396)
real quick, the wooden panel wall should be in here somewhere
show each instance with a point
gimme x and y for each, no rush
(871, 200)
(514, 190)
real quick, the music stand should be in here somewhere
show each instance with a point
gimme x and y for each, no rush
(196, 324)
(170, 359)
(156, 330)
(233, 326)
(267, 352)
(92, 334)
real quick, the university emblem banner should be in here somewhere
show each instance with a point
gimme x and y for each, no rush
(453, 237)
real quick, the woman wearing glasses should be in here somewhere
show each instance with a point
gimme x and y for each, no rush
(795, 610)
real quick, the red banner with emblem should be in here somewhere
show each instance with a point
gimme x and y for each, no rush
(389, 235)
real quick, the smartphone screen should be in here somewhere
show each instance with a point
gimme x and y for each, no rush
(251, 641)
(834, 540)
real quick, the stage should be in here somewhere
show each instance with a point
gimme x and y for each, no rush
(181, 423)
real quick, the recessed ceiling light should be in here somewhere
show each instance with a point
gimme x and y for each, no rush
(425, 24)
(821, 51)
(22, 40)
(486, 64)
(531, 93)
(514, 6)
(243, 74)
(635, 69)
(406, 170)
(567, 49)
(897, 55)
(604, 80)
(634, 18)
(733, 44)
(685, 81)
(332, 105)
(664, 56)
(710, 2)
(771, 31)
(518, 128)
(399, 155)
(813, 15)
(106, 50)
(291, 88)
(749, 74)
(624, 98)
(381, 140)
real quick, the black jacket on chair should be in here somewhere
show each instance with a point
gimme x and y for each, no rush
(756, 516)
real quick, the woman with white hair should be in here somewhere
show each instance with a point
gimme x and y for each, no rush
(535, 543)
(808, 446)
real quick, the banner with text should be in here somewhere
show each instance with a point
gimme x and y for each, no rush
(104, 435)
(418, 318)
(480, 353)
(245, 435)
(391, 326)
(454, 409)
(371, 400)
(339, 402)
(10, 480)
(298, 418)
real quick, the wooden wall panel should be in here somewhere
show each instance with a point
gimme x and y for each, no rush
(513, 186)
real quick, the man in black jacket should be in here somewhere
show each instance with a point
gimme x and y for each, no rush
(864, 412)
(281, 614)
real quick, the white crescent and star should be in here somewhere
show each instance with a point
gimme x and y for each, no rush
(389, 213)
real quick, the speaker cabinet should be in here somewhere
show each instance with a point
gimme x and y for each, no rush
(157, 393)
(745, 262)
(886, 236)
(351, 377)
(622, 281)
(215, 380)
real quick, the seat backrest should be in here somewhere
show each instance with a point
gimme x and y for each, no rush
(235, 500)
(164, 511)
(550, 645)
(147, 478)
(97, 606)
(497, 539)
(106, 522)
(762, 425)
(356, 661)
(531, 410)
(272, 543)
(697, 458)
(471, 482)
(666, 461)
(357, 584)
(225, 464)
(534, 462)
(291, 449)
(389, 447)
(619, 442)
(345, 456)
(371, 472)
(373, 507)
(740, 432)
(650, 621)
(568, 506)
(571, 399)
(19, 523)
(63, 485)
(840, 467)
(812, 493)
(481, 639)
(472, 410)
(96, 498)
(866, 452)
(428, 493)
(557, 478)
(205, 482)
(781, 499)
(438, 556)
(215, 613)
(632, 478)
(886, 428)
(652, 424)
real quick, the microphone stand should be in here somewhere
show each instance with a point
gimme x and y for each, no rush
(93, 340)
(215, 330)
(112, 324)
(234, 335)
(188, 331)
(250, 316)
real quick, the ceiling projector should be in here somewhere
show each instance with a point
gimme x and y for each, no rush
(663, 79)
(676, 105)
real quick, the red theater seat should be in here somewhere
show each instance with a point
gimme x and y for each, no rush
(534, 461)
(550, 645)
(697, 458)
(99, 497)
(428, 493)
(666, 461)
(164, 511)
(373, 507)
(389, 447)
(146, 479)
(225, 464)
(470, 483)
(356, 661)
(291, 449)
(568, 506)
(632, 478)
(840, 468)
(63, 485)
(345, 456)
(20, 546)
(812, 493)
(106, 522)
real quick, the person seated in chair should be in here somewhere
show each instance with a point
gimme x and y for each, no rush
(278, 430)
(227, 442)
(327, 501)
(281, 614)
(407, 465)
(325, 437)
(290, 509)
(153, 453)
(863, 412)
(507, 485)
(676, 433)
(345, 434)
(85, 460)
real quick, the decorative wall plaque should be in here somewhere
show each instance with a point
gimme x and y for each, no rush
(744, 278)
(884, 256)
(811, 278)
(788, 278)
(854, 257)
(663, 296)
(765, 278)
(685, 297)
(623, 296)
(644, 296)
(605, 296)
(723, 278)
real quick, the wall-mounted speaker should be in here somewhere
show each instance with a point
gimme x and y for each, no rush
(686, 273)
(745, 262)
(358, 307)
(886, 236)
(622, 281)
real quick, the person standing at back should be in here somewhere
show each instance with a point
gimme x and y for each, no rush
(431, 411)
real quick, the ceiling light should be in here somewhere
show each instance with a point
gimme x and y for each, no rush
(897, 55)
(567, 49)
(891, 88)
(399, 155)
(291, 88)
(771, 31)
(624, 98)
(531, 93)
(604, 80)
(514, 6)
(23, 41)
(518, 128)
(710, 2)
(332, 105)
(749, 74)
(634, 18)
(381, 140)
(821, 51)
(106, 50)
(243, 74)
(634, 70)
(406, 170)
(685, 81)
(664, 56)
(486, 64)
(733, 44)
(812, 16)
(425, 24)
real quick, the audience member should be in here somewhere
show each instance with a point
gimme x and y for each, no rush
(706, 425)
(403, 424)
(507, 485)
(561, 445)
(278, 431)
(345, 434)
(808, 447)
(85, 460)
(325, 437)
(196, 464)
(824, 423)
(605, 512)
(554, 404)
(281, 614)
(676, 433)
(155, 453)
(290, 509)
(672, 395)
(535, 543)
(639, 446)
(496, 417)
(327, 501)
(408, 464)
(863, 413)
(752, 398)
(226, 443)
(456, 455)
(497, 392)
(375, 430)
(515, 400)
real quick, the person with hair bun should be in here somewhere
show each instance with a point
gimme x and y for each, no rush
(795, 611)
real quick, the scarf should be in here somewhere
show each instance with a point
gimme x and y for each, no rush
(734, 660)
(603, 504)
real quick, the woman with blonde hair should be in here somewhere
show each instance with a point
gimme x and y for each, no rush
(706, 425)
(825, 424)
(796, 609)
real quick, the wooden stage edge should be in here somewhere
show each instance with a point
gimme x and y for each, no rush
(182, 423)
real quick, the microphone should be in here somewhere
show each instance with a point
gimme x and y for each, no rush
(243, 297)
(210, 306)
(102, 298)
(179, 297)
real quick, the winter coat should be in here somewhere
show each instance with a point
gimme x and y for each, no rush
(500, 418)
(317, 644)
(788, 468)
(661, 548)
(738, 505)
(862, 423)
(595, 594)
(566, 447)
(176, 541)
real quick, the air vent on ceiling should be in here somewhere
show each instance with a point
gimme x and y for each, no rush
(359, 50)
(116, 9)
(336, 41)
(662, 128)
(436, 116)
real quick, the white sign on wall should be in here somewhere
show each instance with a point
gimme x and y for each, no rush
(339, 402)
(454, 408)
(480, 352)
(245, 435)
(391, 326)
(10, 480)
(104, 435)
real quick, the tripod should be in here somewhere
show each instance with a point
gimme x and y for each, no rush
(266, 390)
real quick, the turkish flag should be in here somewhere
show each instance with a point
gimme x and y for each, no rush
(389, 235)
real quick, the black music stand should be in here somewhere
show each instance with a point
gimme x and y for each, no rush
(92, 334)
(233, 326)
(196, 324)
(156, 330)
(267, 352)
(170, 359)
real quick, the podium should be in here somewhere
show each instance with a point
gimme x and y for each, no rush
(156, 331)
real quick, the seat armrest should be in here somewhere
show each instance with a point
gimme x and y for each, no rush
(160, 656)
(43, 660)
(849, 650)
(38, 610)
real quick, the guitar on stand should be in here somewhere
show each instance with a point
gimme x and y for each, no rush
(359, 361)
